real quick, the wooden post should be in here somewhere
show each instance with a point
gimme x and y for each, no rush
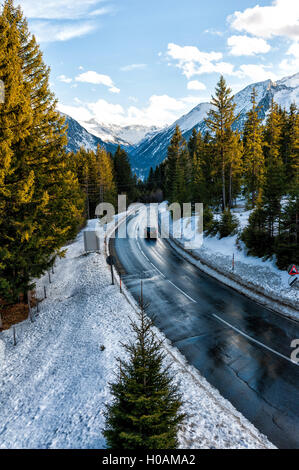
(45, 292)
(30, 310)
(233, 261)
(112, 275)
(14, 336)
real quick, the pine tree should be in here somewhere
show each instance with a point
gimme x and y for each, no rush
(219, 121)
(227, 224)
(183, 176)
(42, 200)
(235, 166)
(107, 183)
(254, 162)
(292, 149)
(123, 173)
(256, 235)
(287, 242)
(274, 184)
(145, 412)
(15, 121)
(173, 170)
(211, 185)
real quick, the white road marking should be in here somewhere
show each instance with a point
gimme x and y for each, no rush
(158, 270)
(254, 340)
(141, 250)
(184, 293)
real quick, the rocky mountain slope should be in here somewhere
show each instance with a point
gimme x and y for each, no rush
(79, 137)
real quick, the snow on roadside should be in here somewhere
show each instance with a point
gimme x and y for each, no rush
(54, 383)
(251, 270)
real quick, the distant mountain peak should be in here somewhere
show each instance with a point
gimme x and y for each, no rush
(152, 150)
(121, 135)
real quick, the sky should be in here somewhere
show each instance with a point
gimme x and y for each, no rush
(149, 62)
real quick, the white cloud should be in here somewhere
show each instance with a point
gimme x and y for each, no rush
(196, 85)
(160, 110)
(279, 19)
(213, 31)
(192, 61)
(290, 65)
(80, 113)
(107, 112)
(62, 20)
(128, 68)
(246, 45)
(50, 32)
(97, 79)
(256, 73)
(58, 9)
(65, 79)
(133, 99)
(101, 11)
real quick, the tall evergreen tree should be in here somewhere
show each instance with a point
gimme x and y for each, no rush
(274, 185)
(254, 162)
(123, 173)
(219, 121)
(235, 166)
(41, 196)
(106, 173)
(173, 168)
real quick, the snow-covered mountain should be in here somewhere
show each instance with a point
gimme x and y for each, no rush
(79, 137)
(120, 135)
(152, 150)
(147, 146)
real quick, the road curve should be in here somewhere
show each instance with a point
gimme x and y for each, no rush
(239, 346)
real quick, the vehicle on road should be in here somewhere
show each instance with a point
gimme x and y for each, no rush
(151, 233)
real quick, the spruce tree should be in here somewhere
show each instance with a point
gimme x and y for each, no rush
(235, 166)
(15, 121)
(254, 162)
(42, 201)
(145, 411)
(228, 223)
(106, 173)
(123, 173)
(219, 121)
(211, 184)
(274, 184)
(173, 168)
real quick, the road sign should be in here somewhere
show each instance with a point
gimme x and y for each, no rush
(293, 280)
(293, 270)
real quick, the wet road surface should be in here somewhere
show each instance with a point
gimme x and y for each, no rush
(239, 346)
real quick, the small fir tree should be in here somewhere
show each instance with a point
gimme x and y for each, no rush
(228, 224)
(145, 412)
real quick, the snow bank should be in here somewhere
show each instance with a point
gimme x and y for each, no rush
(259, 279)
(54, 383)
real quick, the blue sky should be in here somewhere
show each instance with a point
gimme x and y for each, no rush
(150, 61)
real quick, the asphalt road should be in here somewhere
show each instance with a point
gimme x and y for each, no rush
(239, 346)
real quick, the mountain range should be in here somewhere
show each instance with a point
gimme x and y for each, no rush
(147, 147)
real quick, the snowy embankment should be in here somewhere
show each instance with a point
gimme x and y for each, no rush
(54, 382)
(258, 279)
